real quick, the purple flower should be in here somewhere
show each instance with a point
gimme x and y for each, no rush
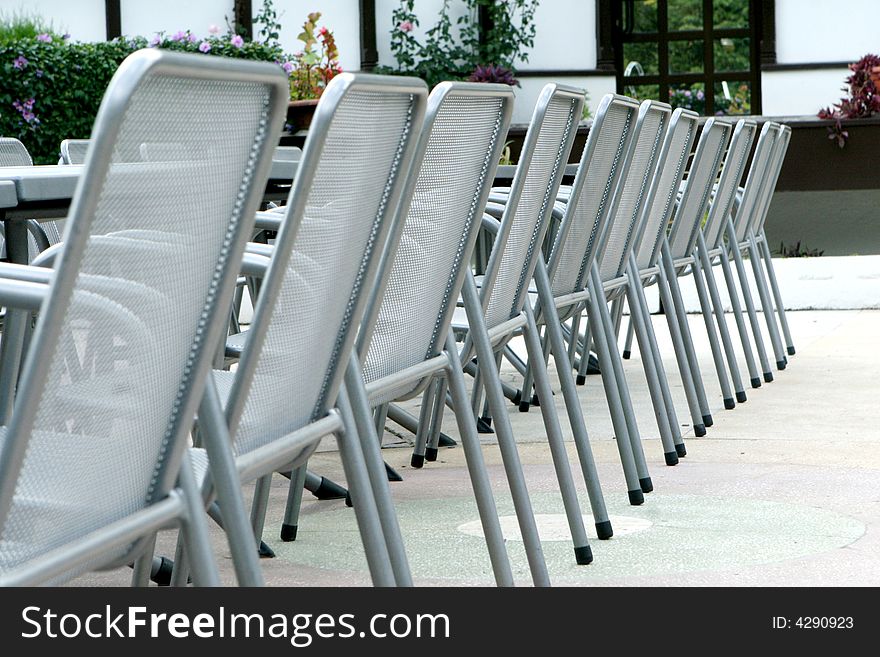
(213, 29)
(236, 41)
(204, 46)
(26, 110)
(39, 72)
(65, 36)
(155, 41)
(45, 38)
(700, 95)
(20, 62)
(180, 35)
(288, 67)
(687, 93)
(191, 37)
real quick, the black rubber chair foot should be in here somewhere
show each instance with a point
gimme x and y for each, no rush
(485, 427)
(646, 484)
(583, 555)
(728, 404)
(756, 382)
(329, 490)
(741, 397)
(524, 407)
(288, 533)
(417, 460)
(265, 551)
(580, 380)
(780, 364)
(626, 354)
(392, 473)
(707, 419)
(517, 398)
(593, 365)
(162, 576)
(431, 454)
(699, 430)
(671, 458)
(604, 530)
(348, 500)
(535, 400)
(768, 377)
(487, 419)
(636, 497)
(446, 441)
(681, 450)
(791, 351)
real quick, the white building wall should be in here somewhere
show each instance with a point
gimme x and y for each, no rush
(794, 93)
(83, 19)
(141, 18)
(527, 94)
(565, 38)
(822, 31)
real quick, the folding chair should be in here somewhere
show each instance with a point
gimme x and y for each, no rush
(93, 461)
(271, 412)
(73, 151)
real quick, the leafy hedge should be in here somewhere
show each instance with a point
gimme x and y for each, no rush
(50, 87)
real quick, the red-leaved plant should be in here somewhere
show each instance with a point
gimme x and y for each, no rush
(863, 100)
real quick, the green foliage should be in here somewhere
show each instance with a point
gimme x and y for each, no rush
(452, 50)
(22, 25)
(316, 64)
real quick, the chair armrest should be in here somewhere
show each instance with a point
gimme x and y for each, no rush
(265, 250)
(28, 273)
(270, 220)
(490, 223)
(254, 264)
(46, 259)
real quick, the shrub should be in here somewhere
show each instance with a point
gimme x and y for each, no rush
(863, 99)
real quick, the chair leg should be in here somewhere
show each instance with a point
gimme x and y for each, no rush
(194, 529)
(476, 465)
(754, 375)
(678, 349)
(143, 565)
(750, 304)
(715, 345)
(364, 450)
(429, 401)
(617, 363)
(290, 524)
(584, 363)
(766, 304)
(774, 286)
(627, 345)
(431, 450)
(649, 364)
(685, 332)
(504, 434)
(582, 552)
(260, 503)
(573, 407)
(575, 337)
(615, 407)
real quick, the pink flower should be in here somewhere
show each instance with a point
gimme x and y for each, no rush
(45, 38)
(405, 26)
(323, 31)
(191, 37)
(288, 67)
(213, 29)
(180, 35)
(204, 46)
(236, 41)
(155, 41)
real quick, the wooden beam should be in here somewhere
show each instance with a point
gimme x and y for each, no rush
(369, 52)
(244, 19)
(113, 14)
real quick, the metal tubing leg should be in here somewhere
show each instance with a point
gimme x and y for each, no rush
(582, 552)
(260, 503)
(11, 346)
(615, 407)
(227, 485)
(365, 447)
(684, 368)
(649, 364)
(754, 375)
(685, 332)
(672, 416)
(143, 565)
(430, 399)
(750, 304)
(617, 363)
(504, 433)
(575, 333)
(774, 286)
(436, 420)
(584, 364)
(766, 304)
(473, 456)
(715, 345)
(723, 330)
(573, 407)
(290, 524)
(194, 529)
(627, 345)
(617, 315)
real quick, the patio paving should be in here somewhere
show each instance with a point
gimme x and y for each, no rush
(783, 491)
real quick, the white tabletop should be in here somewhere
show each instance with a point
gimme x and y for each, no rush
(8, 197)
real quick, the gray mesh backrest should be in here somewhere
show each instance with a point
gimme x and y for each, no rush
(331, 236)
(124, 340)
(758, 174)
(440, 230)
(524, 224)
(728, 183)
(698, 184)
(781, 147)
(73, 151)
(13, 153)
(648, 136)
(587, 210)
(677, 149)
